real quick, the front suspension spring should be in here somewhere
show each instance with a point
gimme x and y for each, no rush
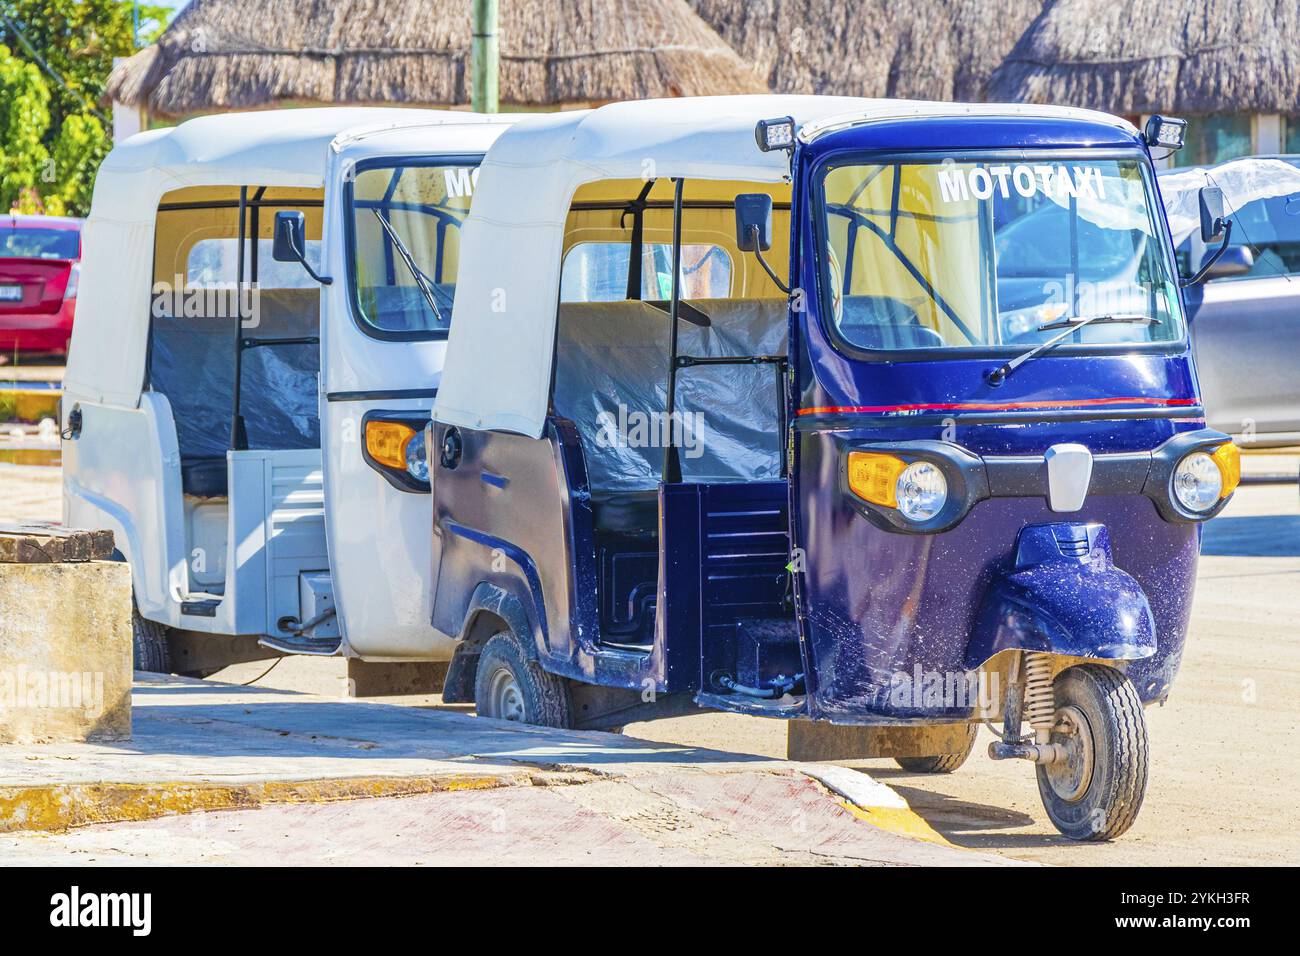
(1040, 697)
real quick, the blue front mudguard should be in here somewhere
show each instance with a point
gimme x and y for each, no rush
(1064, 596)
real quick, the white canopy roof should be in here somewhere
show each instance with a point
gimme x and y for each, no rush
(285, 148)
(500, 347)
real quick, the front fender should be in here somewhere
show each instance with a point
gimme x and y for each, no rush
(1064, 596)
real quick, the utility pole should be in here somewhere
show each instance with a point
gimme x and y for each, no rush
(486, 60)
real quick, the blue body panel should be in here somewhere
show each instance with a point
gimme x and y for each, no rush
(876, 602)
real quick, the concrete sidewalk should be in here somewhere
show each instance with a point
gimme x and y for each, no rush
(208, 758)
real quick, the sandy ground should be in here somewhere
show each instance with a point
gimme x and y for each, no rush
(30, 493)
(1225, 775)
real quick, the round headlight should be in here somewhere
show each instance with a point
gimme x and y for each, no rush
(921, 491)
(417, 462)
(1197, 482)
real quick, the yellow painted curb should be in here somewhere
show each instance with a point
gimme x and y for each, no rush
(902, 821)
(60, 807)
(873, 802)
(30, 404)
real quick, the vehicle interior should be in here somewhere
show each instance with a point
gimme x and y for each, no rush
(209, 343)
(611, 380)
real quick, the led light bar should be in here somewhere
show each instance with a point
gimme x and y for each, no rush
(775, 134)
(1165, 131)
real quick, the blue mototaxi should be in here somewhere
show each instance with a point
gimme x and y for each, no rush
(868, 412)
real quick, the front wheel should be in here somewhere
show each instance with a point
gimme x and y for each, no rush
(1096, 792)
(509, 685)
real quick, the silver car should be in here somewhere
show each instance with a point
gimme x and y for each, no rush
(1245, 321)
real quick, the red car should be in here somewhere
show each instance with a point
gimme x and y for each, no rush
(39, 266)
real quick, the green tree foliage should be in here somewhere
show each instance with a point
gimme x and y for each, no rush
(24, 120)
(55, 57)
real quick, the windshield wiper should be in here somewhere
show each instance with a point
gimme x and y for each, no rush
(421, 280)
(1070, 326)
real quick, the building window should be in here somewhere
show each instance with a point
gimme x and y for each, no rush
(1291, 134)
(1214, 139)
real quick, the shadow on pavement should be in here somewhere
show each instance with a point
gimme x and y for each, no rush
(1253, 536)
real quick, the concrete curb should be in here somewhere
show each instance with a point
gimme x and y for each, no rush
(61, 807)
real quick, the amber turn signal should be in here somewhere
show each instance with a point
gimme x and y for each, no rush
(1228, 460)
(386, 442)
(874, 477)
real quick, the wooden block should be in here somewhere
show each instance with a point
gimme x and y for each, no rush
(809, 740)
(390, 679)
(40, 543)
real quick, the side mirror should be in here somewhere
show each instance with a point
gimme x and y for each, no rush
(290, 242)
(754, 230)
(754, 222)
(1211, 200)
(1213, 226)
(1235, 261)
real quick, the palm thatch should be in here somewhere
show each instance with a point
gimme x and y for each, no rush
(1144, 56)
(914, 49)
(245, 54)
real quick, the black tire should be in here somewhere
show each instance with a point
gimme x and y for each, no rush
(1102, 796)
(537, 697)
(149, 645)
(940, 763)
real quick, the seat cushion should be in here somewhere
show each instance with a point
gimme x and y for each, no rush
(204, 477)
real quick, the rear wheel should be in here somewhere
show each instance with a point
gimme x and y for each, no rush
(1095, 793)
(149, 645)
(509, 685)
(940, 763)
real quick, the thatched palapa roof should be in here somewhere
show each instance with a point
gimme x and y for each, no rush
(1144, 56)
(915, 49)
(245, 54)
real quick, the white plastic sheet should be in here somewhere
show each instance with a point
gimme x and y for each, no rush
(611, 380)
(192, 362)
(1243, 181)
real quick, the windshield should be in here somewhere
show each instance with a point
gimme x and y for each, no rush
(406, 222)
(965, 253)
(20, 242)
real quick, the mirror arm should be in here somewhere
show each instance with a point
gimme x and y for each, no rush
(758, 254)
(1207, 266)
(302, 261)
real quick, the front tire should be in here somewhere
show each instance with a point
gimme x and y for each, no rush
(940, 763)
(149, 645)
(1097, 792)
(509, 685)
